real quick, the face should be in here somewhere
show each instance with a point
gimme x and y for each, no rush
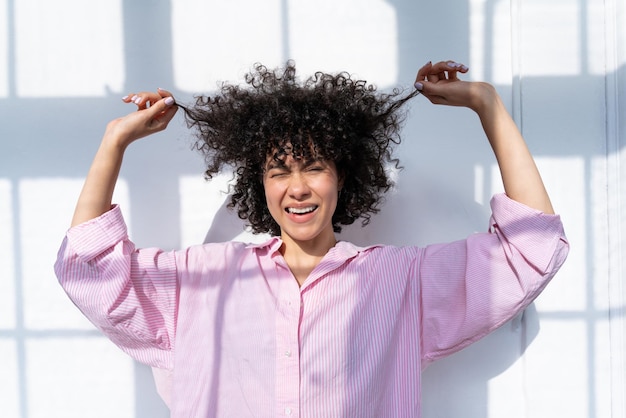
(302, 197)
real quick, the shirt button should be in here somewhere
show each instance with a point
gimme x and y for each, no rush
(287, 353)
(287, 411)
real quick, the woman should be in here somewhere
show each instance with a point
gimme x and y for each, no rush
(304, 324)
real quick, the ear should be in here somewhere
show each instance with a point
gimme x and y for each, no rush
(341, 180)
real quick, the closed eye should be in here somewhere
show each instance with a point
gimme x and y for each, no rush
(316, 166)
(277, 172)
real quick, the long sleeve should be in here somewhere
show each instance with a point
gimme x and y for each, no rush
(129, 294)
(471, 287)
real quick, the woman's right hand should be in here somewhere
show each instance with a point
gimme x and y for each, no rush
(154, 112)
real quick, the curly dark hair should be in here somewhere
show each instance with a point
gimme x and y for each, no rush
(325, 117)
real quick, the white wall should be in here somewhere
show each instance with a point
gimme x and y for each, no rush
(559, 65)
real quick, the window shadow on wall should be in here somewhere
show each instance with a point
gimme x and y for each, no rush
(435, 198)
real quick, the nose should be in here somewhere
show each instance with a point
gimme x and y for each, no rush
(298, 186)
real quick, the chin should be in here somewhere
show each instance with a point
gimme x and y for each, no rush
(300, 235)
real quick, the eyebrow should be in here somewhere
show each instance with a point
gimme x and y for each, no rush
(275, 164)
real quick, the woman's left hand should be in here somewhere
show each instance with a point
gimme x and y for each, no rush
(440, 84)
(522, 182)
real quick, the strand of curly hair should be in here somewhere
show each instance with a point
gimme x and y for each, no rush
(326, 116)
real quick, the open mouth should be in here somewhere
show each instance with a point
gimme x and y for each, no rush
(301, 211)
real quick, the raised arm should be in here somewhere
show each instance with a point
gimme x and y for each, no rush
(155, 110)
(522, 181)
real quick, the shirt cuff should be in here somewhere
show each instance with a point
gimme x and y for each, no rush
(93, 237)
(538, 233)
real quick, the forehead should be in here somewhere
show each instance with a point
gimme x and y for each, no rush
(288, 160)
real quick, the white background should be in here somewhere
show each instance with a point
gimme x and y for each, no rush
(560, 66)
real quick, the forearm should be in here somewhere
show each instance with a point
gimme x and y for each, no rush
(522, 182)
(95, 198)
(520, 176)
(97, 193)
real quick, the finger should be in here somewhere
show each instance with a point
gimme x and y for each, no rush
(422, 72)
(435, 92)
(431, 92)
(433, 78)
(447, 70)
(143, 99)
(161, 113)
(450, 65)
(456, 67)
(441, 66)
(435, 72)
(164, 93)
(442, 70)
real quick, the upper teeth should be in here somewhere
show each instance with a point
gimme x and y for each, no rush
(301, 210)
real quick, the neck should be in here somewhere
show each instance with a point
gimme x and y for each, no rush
(303, 257)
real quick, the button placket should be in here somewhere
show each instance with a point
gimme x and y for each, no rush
(287, 355)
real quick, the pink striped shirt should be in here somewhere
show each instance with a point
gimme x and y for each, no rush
(242, 339)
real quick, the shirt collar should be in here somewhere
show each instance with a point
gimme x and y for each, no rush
(343, 249)
(272, 245)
